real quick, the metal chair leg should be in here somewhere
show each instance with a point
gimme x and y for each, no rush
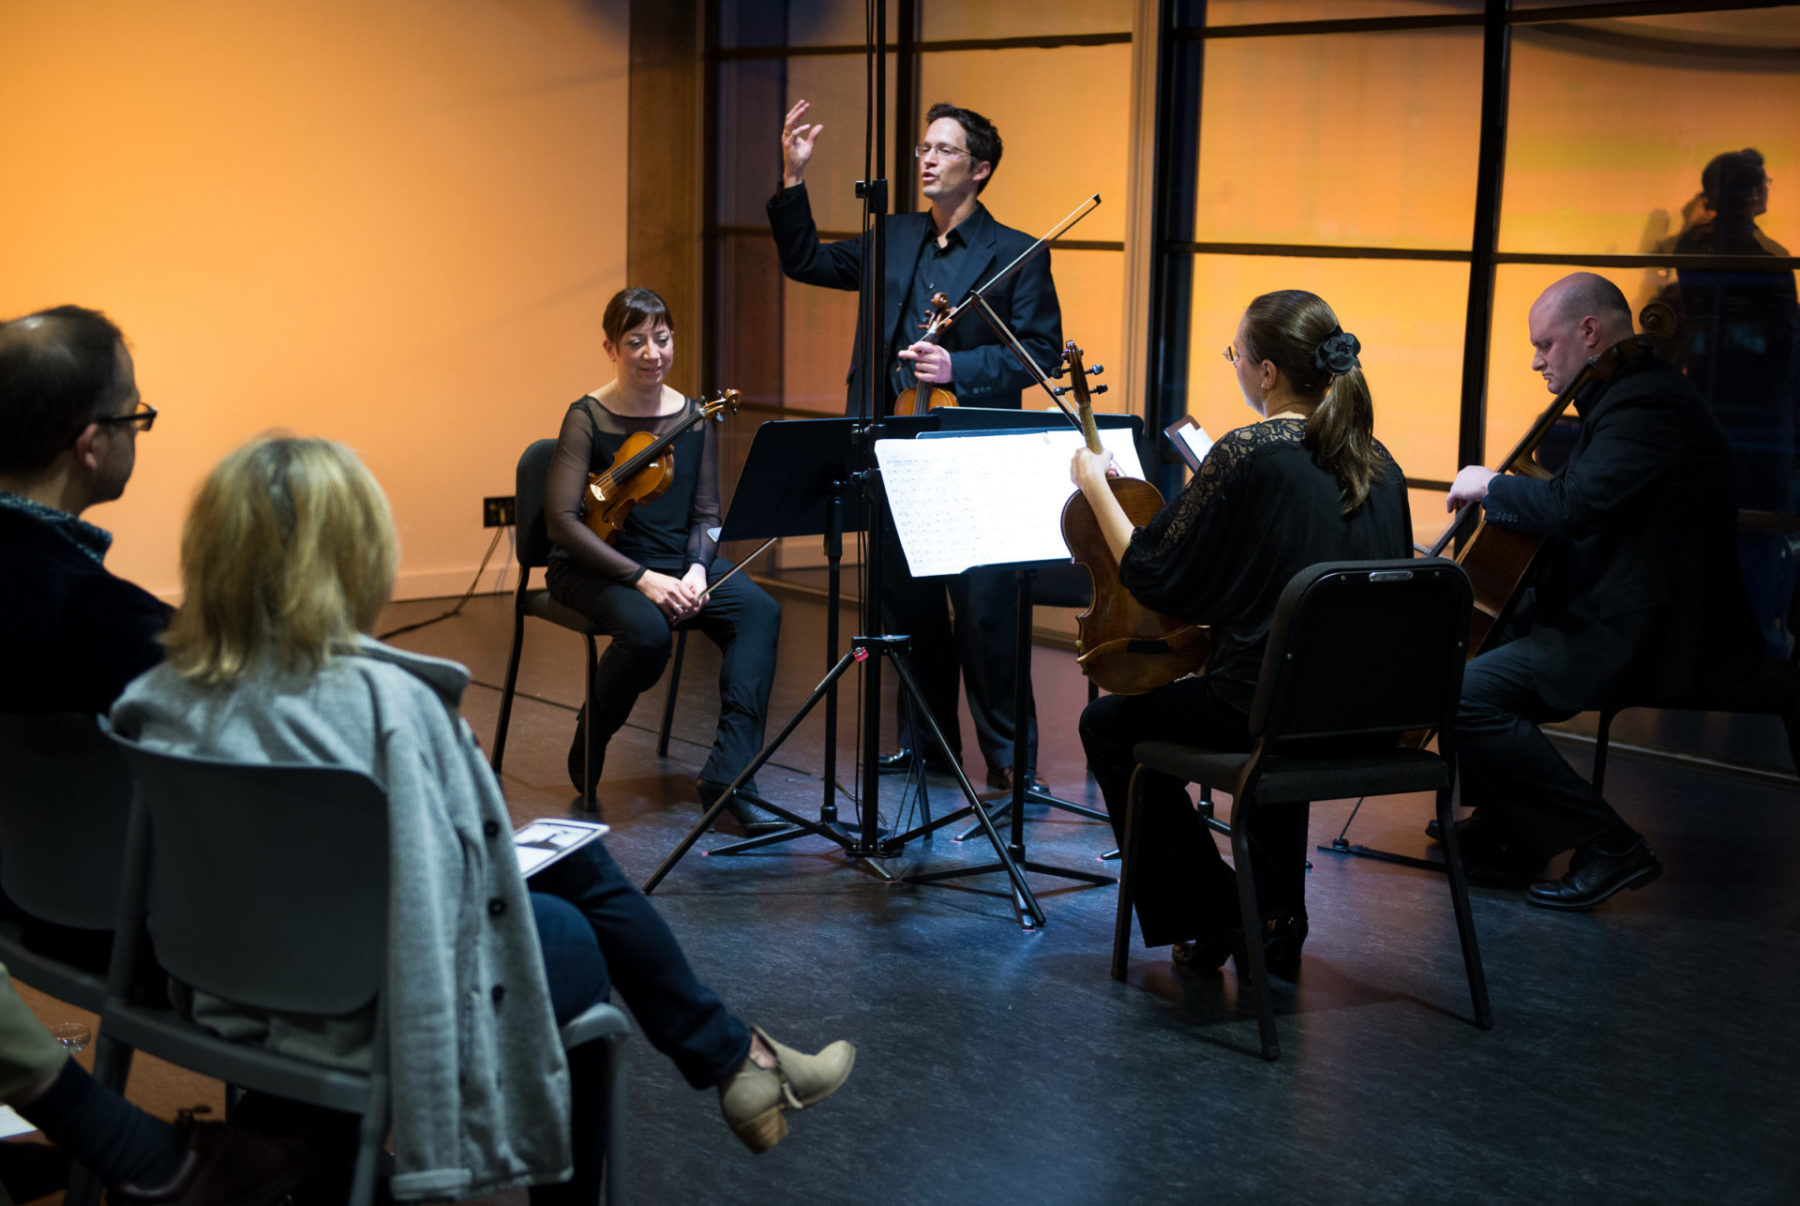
(1465, 915)
(662, 738)
(506, 693)
(1127, 880)
(1253, 929)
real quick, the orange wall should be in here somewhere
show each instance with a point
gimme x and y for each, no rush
(389, 222)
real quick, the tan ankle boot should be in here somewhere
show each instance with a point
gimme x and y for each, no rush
(753, 1097)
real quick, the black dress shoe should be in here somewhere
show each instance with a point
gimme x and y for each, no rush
(1002, 778)
(1595, 874)
(1209, 953)
(903, 760)
(745, 807)
(1283, 936)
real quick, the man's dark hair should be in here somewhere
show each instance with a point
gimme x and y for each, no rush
(59, 371)
(1730, 179)
(983, 139)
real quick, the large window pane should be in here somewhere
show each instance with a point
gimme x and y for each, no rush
(1064, 122)
(945, 20)
(1612, 122)
(1257, 12)
(754, 23)
(754, 95)
(1408, 315)
(1343, 139)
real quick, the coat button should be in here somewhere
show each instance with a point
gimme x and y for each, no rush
(496, 906)
(499, 993)
(492, 829)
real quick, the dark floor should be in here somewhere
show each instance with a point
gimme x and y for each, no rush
(1643, 1052)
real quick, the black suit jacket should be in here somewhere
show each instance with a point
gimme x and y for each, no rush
(1638, 595)
(72, 634)
(984, 371)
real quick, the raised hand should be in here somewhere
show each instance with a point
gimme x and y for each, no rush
(797, 140)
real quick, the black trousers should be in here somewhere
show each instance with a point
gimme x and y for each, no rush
(598, 933)
(1509, 769)
(739, 617)
(978, 647)
(1184, 888)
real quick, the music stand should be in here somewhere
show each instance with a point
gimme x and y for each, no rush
(796, 483)
(1005, 489)
(971, 420)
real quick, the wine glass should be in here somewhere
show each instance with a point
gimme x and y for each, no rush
(73, 1036)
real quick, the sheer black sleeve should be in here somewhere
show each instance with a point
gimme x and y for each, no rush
(1182, 561)
(706, 511)
(566, 486)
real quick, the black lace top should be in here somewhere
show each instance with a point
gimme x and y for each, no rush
(1259, 510)
(666, 534)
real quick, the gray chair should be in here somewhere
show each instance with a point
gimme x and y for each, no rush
(534, 553)
(268, 886)
(65, 795)
(1358, 651)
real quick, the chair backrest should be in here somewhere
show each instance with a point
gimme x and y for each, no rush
(267, 885)
(65, 798)
(1360, 648)
(528, 505)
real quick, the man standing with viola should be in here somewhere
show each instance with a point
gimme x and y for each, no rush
(1636, 597)
(951, 248)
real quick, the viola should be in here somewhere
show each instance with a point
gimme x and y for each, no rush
(922, 397)
(1120, 644)
(643, 469)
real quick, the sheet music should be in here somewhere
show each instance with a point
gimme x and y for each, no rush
(1198, 443)
(976, 500)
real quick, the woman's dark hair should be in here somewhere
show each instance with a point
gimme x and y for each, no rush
(983, 139)
(1730, 180)
(631, 308)
(1298, 333)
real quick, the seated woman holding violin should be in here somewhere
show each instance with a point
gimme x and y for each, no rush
(1307, 482)
(654, 573)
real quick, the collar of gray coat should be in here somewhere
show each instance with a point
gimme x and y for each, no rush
(449, 679)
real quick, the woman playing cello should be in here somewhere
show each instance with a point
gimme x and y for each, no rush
(653, 575)
(1307, 482)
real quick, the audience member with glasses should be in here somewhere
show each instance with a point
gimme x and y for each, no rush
(72, 634)
(950, 248)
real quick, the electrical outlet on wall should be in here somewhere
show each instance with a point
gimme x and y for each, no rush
(498, 512)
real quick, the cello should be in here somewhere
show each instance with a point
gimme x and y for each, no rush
(1119, 643)
(642, 470)
(1499, 559)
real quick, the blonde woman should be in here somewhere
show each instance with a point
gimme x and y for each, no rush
(287, 558)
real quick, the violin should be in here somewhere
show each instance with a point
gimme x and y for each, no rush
(643, 469)
(922, 397)
(1119, 643)
(1498, 559)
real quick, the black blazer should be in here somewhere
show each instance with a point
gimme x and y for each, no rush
(72, 634)
(984, 371)
(1638, 594)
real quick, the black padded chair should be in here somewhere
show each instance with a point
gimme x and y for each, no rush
(65, 795)
(534, 553)
(1773, 691)
(1358, 649)
(268, 886)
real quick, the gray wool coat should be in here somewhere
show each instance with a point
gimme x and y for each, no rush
(480, 1085)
